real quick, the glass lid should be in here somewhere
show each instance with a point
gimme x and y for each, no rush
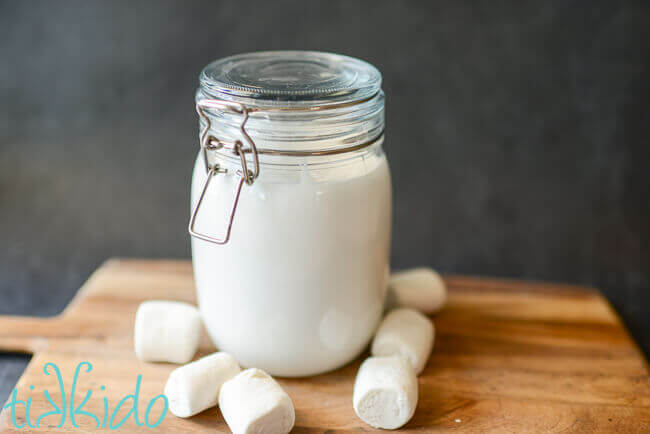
(290, 79)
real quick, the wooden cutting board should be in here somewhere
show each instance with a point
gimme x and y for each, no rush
(509, 356)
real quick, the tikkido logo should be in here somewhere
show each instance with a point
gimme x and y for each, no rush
(67, 408)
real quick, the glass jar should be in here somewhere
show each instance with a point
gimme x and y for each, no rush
(291, 209)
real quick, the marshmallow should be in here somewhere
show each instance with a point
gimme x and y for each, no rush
(405, 332)
(253, 402)
(166, 331)
(385, 392)
(195, 387)
(421, 288)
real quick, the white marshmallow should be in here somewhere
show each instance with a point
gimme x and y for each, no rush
(166, 331)
(195, 387)
(253, 402)
(385, 392)
(405, 332)
(421, 288)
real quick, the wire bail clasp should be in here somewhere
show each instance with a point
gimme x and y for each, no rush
(211, 143)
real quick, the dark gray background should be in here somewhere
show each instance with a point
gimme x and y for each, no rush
(517, 135)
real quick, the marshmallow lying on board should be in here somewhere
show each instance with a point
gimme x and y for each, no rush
(385, 392)
(253, 402)
(195, 387)
(421, 288)
(405, 332)
(166, 331)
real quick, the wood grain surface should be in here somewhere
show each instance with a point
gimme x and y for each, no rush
(509, 356)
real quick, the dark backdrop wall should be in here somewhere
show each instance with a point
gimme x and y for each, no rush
(517, 133)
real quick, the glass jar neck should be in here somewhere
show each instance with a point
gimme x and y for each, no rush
(318, 129)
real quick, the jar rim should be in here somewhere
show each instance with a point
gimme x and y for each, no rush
(299, 115)
(290, 79)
